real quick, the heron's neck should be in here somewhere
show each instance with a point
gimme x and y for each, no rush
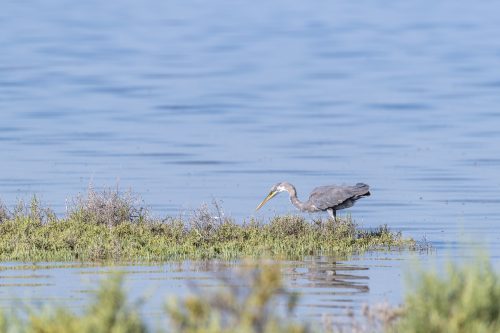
(293, 198)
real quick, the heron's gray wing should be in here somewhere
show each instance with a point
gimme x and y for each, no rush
(325, 197)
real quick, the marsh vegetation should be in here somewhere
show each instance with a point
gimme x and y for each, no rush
(110, 225)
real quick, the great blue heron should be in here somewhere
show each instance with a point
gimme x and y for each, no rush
(330, 198)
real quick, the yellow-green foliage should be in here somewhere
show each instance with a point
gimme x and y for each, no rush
(464, 300)
(108, 226)
(24, 238)
(238, 309)
(109, 312)
(109, 207)
(4, 212)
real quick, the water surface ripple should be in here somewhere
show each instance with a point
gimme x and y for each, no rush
(187, 101)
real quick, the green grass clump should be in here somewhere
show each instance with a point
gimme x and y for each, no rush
(110, 226)
(247, 304)
(109, 207)
(464, 300)
(109, 312)
(4, 212)
(291, 237)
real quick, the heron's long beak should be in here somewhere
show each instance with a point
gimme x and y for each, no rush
(269, 197)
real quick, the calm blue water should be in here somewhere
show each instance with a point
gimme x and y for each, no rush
(189, 101)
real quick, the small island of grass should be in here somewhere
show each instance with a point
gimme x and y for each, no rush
(109, 225)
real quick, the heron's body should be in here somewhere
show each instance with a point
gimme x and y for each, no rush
(328, 198)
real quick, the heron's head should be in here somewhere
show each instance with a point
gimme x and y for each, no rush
(280, 187)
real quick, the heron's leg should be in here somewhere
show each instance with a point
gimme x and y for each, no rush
(333, 214)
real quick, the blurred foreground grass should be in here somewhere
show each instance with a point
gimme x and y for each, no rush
(110, 225)
(465, 299)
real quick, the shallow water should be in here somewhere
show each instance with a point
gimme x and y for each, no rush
(328, 286)
(186, 102)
